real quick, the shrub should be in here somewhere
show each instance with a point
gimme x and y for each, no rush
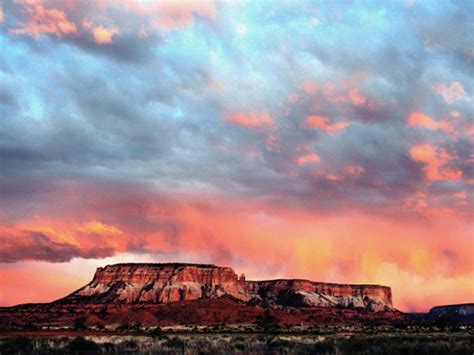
(17, 345)
(175, 342)
(80, 323)
(157, 332)
(278, 343)
(79, 344)
(324, 347)
(267, 322)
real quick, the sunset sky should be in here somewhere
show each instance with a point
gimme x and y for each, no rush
(328, 140)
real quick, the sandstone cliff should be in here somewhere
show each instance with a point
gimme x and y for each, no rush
(171, 282)
(466, 309)
(159, 283)
(304, 293)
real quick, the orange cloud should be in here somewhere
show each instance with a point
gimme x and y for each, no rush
(100, 34)
(250, 119)
(419, 119)
(42, 20)
(434, 160)
(103, 35)
(307, 158)
(322, 123)
(56, 241)
(451, 93)
(98, 228)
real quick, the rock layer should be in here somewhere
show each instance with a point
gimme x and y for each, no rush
(166, 283)
(159, 283)
(466, 309)
(304, 293)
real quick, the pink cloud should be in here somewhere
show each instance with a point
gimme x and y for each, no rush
(434, 160)
(307, 158)
(460, 195)
(309, 88)
(42, 20)
(356, 98)
(419, 119)
(2, 18)
(355, 170)
(322, 123)
(167, 15)
(416, 202)
(455, 114)
(470, 130)
(180, 14)
(273, 142)
(45, 17)
(293, 98)
(333, 177)
(250, 119)
(451, 93)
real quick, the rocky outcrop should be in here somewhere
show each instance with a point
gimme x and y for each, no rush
(466, 309)
(166, 283)
(460, 314)
(159, 283)
(304, 293)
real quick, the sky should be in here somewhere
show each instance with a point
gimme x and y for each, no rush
(328, 140)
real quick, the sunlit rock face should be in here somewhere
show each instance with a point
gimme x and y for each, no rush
(304, 293)
(172, 282)
(160, 283)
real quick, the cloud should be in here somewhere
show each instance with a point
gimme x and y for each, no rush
(356, 98)
(451, 93)
(2, 17)
(41, 242)
(419, 119)
(44, 20)
(250, 119)
(166, 15)
(100, 34)
(434, 160)
(176, 14)
(323, 123)
(309, 88)
(308, 158)
(355, 170)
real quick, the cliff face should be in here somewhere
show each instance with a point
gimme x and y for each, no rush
(165, 283)
(466, 309)
(304, 293)
(460, 314)
(160, 283)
